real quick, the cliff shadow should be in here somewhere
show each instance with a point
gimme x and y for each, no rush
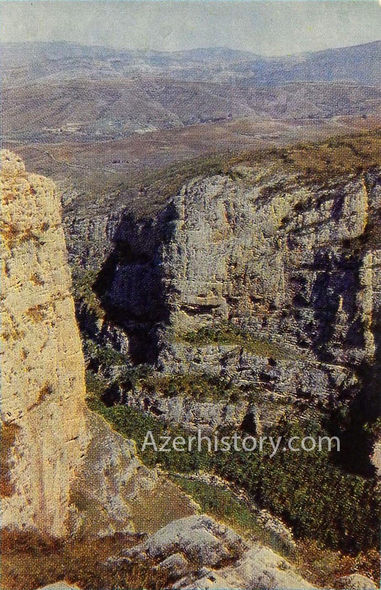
(131, 285)
(336, 324)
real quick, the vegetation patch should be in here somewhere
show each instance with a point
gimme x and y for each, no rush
(95, 384)
(324, 567)
(227, 333)
(30, 560)
(322, 161)
(147, 191)
(83, 292)
(37, 313)
(315, 562)
(224, 506)
(102, 356)
(305, 489)
(308, 491)
(199, 387)
(134, 424)
(7, 438)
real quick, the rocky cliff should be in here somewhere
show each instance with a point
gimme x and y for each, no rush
(63, 469)
(279, 265)
(43, 389)
(265, 276)
(258, 277)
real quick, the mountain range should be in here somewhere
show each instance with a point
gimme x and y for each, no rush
(55, 92)
(360, 63)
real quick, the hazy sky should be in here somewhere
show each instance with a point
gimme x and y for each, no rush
(265, 27)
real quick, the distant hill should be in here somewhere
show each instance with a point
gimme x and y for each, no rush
(89, 110)
(63, 92)
(360, 63)
(34, 61)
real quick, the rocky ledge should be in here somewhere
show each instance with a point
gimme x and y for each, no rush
(197, 553)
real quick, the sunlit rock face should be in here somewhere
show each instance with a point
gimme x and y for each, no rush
(64, 470)
(43, 387)
(265, 277)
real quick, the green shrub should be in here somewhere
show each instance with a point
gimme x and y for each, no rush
(306, 489)
(83, 292)
(95, 384)
(134, 424)
(103, 356)
(223, 505)
(227, 333)
(200, 387)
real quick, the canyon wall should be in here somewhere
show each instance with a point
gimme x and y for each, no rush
(262, 277)
(295, 266)
(63, 469)
(43, 387)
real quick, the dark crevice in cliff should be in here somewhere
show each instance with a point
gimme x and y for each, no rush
(333, 293)
(355, 421)
(131, 287)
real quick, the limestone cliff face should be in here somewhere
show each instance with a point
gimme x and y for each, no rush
(43, 387)
(63, 469)
(294, 264)
(290, 263)
(280, 258)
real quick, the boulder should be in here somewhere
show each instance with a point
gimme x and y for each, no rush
(197, 552)
(356, 582)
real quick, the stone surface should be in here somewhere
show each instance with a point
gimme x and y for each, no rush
(194, 415)
(272, 260)
(201, 553)
(114, 492)
(263, 569)
(356, 582)
(277, 269)
(43, 387)
(294, 263)
(198, 538)
(65, 470)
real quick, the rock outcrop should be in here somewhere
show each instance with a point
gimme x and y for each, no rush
(43, 387)
(63, 469)
(279, 260)
(182, 410)
(356, 582)
(291, 265)
(294, 270)
(198, 552)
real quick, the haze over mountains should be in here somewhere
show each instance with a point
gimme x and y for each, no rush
(54, 92)
(359, 63)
